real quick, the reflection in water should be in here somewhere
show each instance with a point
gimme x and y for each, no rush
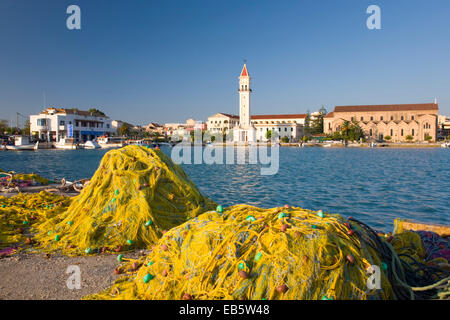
(374, 185)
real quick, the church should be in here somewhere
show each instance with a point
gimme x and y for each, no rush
(254, 128)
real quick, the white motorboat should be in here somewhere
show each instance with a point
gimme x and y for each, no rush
(67, 144)
(22, 143)
(110, 142)
(91, 145)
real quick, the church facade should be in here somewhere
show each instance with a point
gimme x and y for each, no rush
(254, 128)
(398, 122)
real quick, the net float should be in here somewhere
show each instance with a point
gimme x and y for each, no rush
(350, 259)
(282, 289)
(187, 296)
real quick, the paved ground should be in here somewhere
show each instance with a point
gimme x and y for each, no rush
(32, 276)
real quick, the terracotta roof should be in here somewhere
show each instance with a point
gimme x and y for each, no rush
(278, 116)
(68, 111)
(244, 72)
(230, 115)
(330, 115)
(387, 107)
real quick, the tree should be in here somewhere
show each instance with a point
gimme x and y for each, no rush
(27, 128)
(124, 129)
(97, 113)
(213, 138)
(3, 125)
(428, 137)
(388, 138)
(317, 124)
(351, 131)
(307, 125)
(409, 138)
(285, 139)
(269, 134)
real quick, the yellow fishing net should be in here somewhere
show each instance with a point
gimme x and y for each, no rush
(252, 253)
(20, 213)
(134, 196)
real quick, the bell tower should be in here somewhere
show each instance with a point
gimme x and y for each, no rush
(244, 98)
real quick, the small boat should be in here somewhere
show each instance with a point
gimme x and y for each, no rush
(67, 144)
(22, 143)
(91, 145)
(445, 145)
(110, 142)
(401, 225)
(142, 143)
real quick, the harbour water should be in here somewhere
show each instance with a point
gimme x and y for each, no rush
(373, 185)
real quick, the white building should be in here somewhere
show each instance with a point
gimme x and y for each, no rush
(252, 128)
(54, 124)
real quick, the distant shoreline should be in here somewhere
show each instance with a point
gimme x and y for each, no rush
(337, 145)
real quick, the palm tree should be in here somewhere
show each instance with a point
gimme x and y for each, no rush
(345, 129)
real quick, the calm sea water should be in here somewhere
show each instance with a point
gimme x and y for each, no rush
(373, 185)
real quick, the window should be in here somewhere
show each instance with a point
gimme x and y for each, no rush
(41, 122)
(412, 131)
(370, 132)
(402, 133)
(292, 129)
(381, 118)
(371, 119)
(402, 118)
(77, 124)
(279, 129)
(107, 126)
(362, 118)
(412, 117)
(392, 117)
(285, 129)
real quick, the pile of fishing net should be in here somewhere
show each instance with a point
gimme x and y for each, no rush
(135, 195)
(246, 252)
(426, 258)
(19, 214)
(12, 180)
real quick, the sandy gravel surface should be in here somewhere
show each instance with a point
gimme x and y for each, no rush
(32, 276)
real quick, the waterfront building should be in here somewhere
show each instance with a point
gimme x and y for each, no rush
(56, 124)
(154, 128)
(192, 124)
(251, 128)
(443, 130)
(171, 129)
(396, 120)
(116, 124)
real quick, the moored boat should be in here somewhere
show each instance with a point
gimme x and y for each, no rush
(91, 145)
(21, 143)
(67, 144)
(110, 142)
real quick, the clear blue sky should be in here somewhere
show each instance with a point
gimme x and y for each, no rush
(166, 61)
